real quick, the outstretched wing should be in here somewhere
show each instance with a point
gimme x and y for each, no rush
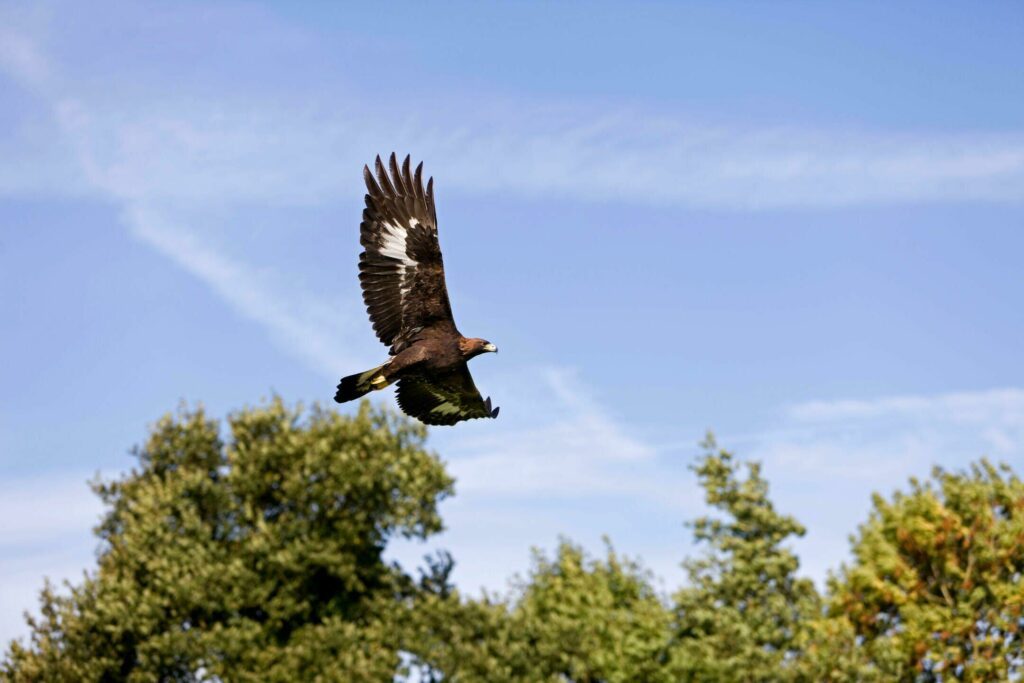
(400, 269)
(444, 398)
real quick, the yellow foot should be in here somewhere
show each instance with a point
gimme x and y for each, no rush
(379, 382)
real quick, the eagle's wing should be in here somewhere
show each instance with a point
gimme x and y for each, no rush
(443, 398)
(400, 269)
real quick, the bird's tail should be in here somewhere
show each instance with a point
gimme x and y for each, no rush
(354, 386)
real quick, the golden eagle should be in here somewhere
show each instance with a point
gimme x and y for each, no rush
(402, 276)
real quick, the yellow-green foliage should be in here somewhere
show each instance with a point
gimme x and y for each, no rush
(935, 589)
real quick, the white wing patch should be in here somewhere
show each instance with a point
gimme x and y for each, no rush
(395, 237)
(394, 246)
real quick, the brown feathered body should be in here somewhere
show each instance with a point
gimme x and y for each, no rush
(401, 272)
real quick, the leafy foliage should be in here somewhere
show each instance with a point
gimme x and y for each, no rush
(745, 610)
(593, 620)
(255, 559)
(573, 619)
(258, 556)
(935, 591)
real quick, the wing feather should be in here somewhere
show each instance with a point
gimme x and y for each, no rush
(443, 398)
(401, 270)
(397, 176)
(418, 183)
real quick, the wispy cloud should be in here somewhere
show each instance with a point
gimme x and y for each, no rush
(314, 331)
(644, 158)
(45, 525)
(558, 462)
(563, 445)
(1000, 406)
(239, 146)
(846, 449)
(36, 509)
(825, 458)
(21, 56)
(225, 152)
(899, 434)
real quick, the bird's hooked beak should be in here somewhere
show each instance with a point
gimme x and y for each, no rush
(491, 348)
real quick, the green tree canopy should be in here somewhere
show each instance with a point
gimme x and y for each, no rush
(593, 620)
(745, 613)
(572, 620)
(255, 558)
(935, 589)
(257, 555)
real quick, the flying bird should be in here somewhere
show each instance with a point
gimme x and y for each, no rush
(402, 277)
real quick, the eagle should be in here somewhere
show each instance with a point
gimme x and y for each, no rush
(402, 277)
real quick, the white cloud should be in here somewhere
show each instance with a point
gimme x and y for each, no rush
(315, 332)
(659, 160)
(555, 463)
(237, 152)
(42, 508)
(826, 458)
(998, 405)
(20, 54)
(558, 442)
(900, 435)
(238, 147)
(45, 531)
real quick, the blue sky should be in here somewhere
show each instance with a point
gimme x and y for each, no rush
(797, 224)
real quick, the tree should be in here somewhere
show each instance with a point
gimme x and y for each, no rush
(258, 558)
(745, 615)
(935, 590)
(572, 620)
(593, 620)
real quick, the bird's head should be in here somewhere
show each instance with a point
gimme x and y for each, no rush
(475, 346)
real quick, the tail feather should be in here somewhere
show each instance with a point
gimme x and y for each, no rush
(360, 384)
